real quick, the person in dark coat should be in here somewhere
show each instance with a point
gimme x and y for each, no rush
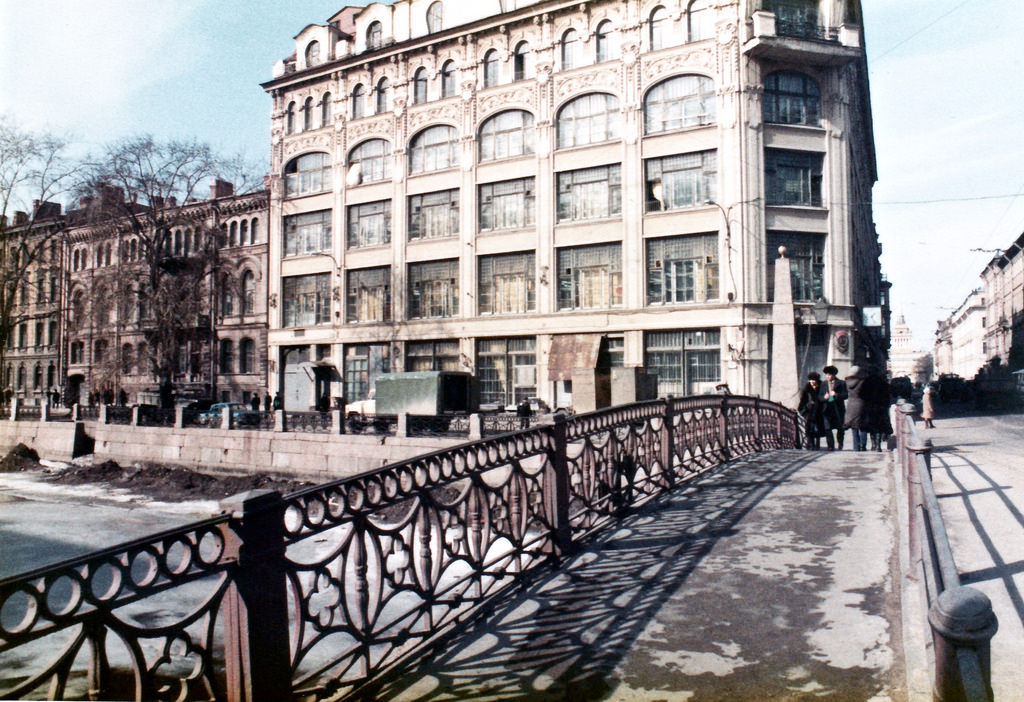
(835, 405)
(278, 402)
(811, 408)
(266, 402)
(254, 402)
(856, 413)
(876, 402)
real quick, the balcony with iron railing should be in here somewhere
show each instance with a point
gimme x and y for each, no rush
(804, 42)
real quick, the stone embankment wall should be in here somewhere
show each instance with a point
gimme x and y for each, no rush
(310, 456)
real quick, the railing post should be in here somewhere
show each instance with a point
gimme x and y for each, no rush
(76, 414)
(179, 417)
(15, 401)
(136, 411)
(925, 451)
(225, 418)
(557, 489)
(667, 443)
(723, 429)
(103, 414)
(256, 656)
(962, 622)
(337, 425)
(476, 426)
(758, 442)
(44, 412)
(279, 420)
(402, 430)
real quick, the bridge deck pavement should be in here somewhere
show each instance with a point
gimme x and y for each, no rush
(774, 577)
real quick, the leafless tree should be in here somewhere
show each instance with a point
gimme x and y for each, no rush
(144, 193)
(35, 172)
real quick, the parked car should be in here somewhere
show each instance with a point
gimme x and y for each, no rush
(241, 415)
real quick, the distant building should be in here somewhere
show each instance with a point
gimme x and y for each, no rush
(562, 187)
(904, 359)
(1003, 279)
(960, 345)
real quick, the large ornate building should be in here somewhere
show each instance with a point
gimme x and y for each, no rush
(539, 188)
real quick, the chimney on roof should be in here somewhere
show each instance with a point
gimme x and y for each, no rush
(20, 218)
(221, 188)
(156, 202)
(46, 210)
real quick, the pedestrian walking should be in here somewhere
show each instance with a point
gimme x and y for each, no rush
(266, 402)
(856, 413)
(254, 403)
(876, 408)
(278, 404)
(927, 407)
(811, 408)
(836, 393)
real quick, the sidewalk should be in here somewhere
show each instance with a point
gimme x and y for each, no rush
(776, 577)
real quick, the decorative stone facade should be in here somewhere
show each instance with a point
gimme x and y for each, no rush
(524, 183)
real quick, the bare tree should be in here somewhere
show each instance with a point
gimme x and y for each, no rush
(35, 171)
(144, 195)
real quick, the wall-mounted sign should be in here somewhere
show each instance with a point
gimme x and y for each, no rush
(842, 341)
(872, 316)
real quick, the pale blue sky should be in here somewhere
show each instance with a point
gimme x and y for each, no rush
(947, 84)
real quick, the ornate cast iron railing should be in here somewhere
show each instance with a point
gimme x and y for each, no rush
(347, 579)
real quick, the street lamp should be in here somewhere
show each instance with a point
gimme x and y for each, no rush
(820, 311)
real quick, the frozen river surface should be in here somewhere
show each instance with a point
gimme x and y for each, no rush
(43, 523)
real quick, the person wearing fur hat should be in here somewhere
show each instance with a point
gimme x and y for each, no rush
(811, 408)
(856, 408)
(836, 393)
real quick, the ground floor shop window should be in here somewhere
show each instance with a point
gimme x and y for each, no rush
(687, 362)
(363, 363)
(507, 370)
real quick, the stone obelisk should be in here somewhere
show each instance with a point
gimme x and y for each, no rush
(785, 385)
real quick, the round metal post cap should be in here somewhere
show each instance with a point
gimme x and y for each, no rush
(964, 614)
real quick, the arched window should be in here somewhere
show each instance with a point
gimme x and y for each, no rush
(243, 232)
(683, 101)
(178, 243)
(99, 351)
(699, 21)
(419, 86)
(254, 230)
(491, 69)
(126, 358)
(607, 48)
(246, 356)
(21, 377)
(589, 119)
(369, 162)
(233, 234)
(289, 119)
(523, 62)
(133, 249)
(358, 101)
(248, 292)
(227, 356)
(434, 149)
(309, 173)
(325, 110)
(507, 134)
(383, 100)
(435, 17)
(37, 377)
(448, 79)
(791, 98)
(570, 50)
(374, 36)
(312, 53)
(307, 114)
(227, 297)
(659, 28)
(74, 260)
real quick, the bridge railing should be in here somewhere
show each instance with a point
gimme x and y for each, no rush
(961, 618)
(317, 593)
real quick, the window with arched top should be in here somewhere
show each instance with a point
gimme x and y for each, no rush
(699, 21)
(325, 110)
(254, 230)
(358, 101)
(246, 356)
(233, 234)
(570, 50)
(382, 102)
(374, 35)
(227, 297)
(522, 68)
(313, 53)
(370, 162)
(659, 28)
(435, 17)
(307, 114)
(506, 135)
(127, 358)
(589, 119)
(419, 86)
(289, 119)
(178, 243)
(490, 69)
(791, 97)
(227, 356)
(683, 101)
(248, 292)
(434, 149)
(309, 173)
(606, 47)
(448, 79)
(243, 233)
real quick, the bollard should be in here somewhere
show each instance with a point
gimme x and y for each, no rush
(962, 619)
